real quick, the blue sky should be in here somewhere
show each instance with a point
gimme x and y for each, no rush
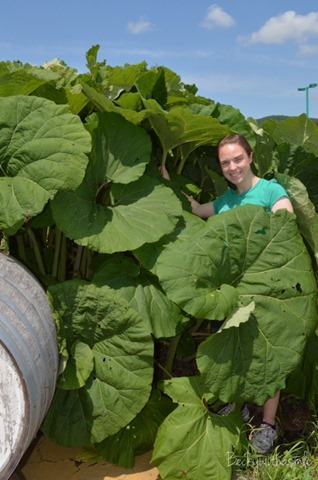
(251, 55)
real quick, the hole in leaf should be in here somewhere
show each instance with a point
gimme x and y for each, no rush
(261, 231)
(298, 287)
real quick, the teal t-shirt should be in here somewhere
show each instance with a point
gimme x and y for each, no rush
(264, 193)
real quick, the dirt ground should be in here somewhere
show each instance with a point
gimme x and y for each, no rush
(46, 460)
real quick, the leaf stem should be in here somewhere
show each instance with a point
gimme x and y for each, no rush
(58, 237)
(168, 374)
(21, 248)
(63, 258)
(172, 353)
(78, 260)
(181, 164)
(36, 250)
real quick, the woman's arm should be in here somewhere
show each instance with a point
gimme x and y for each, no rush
(203, 210)
(283, 202)
(164, 172)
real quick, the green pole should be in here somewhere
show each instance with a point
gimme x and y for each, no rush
(306, 89)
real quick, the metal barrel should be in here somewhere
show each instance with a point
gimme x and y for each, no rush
(28, 361)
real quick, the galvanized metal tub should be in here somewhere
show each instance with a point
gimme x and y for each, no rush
(28, 361)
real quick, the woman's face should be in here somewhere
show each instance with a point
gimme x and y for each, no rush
(235, 163)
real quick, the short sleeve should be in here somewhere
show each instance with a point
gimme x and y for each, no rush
(275, 192)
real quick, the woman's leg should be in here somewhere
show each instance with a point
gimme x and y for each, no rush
(270, 409)
(264, 437)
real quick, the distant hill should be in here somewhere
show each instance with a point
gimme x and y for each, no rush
(278, 118)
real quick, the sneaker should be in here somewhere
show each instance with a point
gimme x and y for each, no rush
(231, 406)
(227, 409)
(245, 412)
(263, 438)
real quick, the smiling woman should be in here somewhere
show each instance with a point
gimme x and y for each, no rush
(235, 158)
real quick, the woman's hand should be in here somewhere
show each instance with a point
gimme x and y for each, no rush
(164, 172)
(203, 210)
(194, 203)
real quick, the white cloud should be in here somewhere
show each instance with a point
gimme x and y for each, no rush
(286, 27)
(141, 26)
(217, 17)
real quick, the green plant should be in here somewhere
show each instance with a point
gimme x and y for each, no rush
(138, 285)
(294, 463)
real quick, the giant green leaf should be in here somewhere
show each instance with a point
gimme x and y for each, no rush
(105, 105)
(299, 131)
(43, 149)
(263, 153)
(252, 362)
(148, 254)
(79, 366)
(139, 436)
(152, 84)
(113, 159)
(195, 271)
(125, 77)
(142, 211)
(65, 422)
(180, 126)
(226, 115)
(18, 79)
(120, 383)
(76, 99)
(143, 292)
(21, 198)
(131, 101)
(297, 150)
(238, 257)
(307, 217)
(194, 443)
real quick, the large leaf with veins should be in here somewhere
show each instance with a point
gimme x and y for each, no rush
(43, 150)
(242, 258)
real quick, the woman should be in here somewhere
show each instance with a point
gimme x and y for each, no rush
(235, 157)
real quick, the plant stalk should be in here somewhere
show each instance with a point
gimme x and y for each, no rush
(36, 250)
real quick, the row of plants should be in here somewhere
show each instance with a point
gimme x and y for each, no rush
(161, 316)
